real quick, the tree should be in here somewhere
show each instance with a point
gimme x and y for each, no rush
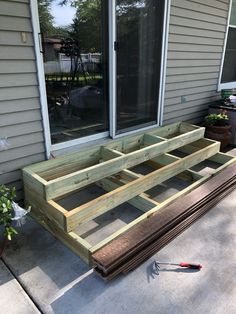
(45, 17)
(46, 21)
(87, 25)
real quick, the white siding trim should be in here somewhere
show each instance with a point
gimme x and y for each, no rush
(230, 84)
(165, 41)
(40, 72)
(112, 67)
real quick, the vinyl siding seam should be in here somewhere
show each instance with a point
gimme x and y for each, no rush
(199, 11)
(191, 88)
(178, 23)
(212, 6)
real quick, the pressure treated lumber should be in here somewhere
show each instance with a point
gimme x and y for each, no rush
(44, 216)
(64, 174)
(114, 198)
(84, 177)
(124, 253)
(172, 233)
(141, 201)
(124, 185)
(167, 202)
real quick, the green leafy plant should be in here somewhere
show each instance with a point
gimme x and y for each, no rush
(7, 196)
(217, 119)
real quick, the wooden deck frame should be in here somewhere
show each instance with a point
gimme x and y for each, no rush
(79, 178)
(45, 180)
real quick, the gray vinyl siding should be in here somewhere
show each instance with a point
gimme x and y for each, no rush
(20, 113)
(195, 46)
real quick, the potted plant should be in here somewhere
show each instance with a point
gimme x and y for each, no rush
(9, 212)
(218, 128)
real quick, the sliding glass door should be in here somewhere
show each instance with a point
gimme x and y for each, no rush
(75, 54)
(139, 30)
(101, 58)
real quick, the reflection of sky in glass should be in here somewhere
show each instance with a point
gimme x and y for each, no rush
(62, 15)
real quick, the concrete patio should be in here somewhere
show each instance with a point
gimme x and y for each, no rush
(39, 274)
(57, 281)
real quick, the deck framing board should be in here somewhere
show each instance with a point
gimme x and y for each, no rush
(111, 172)
(81, 178)
(124, 193)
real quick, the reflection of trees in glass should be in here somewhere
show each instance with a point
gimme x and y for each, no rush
(86, 27)
(45, 17)
(46, 21)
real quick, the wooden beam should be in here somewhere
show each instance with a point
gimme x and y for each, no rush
(142, 201)
(50, 208)
(167, 130)
(66, 163)
(148, 214)
(34, 181)
(167, 158)
(84, 177)
(114, 198)
(186, 127)
(44, 214)
(162, 205)
(156, 162)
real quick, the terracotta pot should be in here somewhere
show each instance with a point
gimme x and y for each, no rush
(219, 133)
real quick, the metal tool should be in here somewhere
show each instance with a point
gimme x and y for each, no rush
(156, 265)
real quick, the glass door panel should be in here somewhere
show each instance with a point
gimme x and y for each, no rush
(75, 53)
(139, 27)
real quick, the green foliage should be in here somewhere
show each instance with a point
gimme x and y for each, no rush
(219, 119)
(87, 25)
(46, 21)
(6, 211)
(45, 17)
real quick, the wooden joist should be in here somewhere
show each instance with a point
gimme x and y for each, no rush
(124, 193)
(141, 242)
(80, 178)
(114, 168)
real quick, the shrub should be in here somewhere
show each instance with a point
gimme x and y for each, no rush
(219, 119)
(6, 210)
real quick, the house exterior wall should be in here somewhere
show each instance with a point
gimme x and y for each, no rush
(20, 113)
(196, 40)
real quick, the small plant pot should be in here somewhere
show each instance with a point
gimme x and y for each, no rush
(219, 133)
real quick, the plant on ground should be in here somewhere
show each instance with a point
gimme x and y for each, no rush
(7, 196)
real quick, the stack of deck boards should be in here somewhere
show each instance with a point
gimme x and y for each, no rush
(169, 152)
(138, 244)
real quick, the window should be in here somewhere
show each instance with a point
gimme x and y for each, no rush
(228, 77)
(103, 64)
(75, 56)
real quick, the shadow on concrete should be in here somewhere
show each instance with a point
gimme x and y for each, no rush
(91, 290)
(62, 283)
(35, 247)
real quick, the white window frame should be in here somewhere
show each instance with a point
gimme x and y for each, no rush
(112, 73)
(112, 81)
(228, 85)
